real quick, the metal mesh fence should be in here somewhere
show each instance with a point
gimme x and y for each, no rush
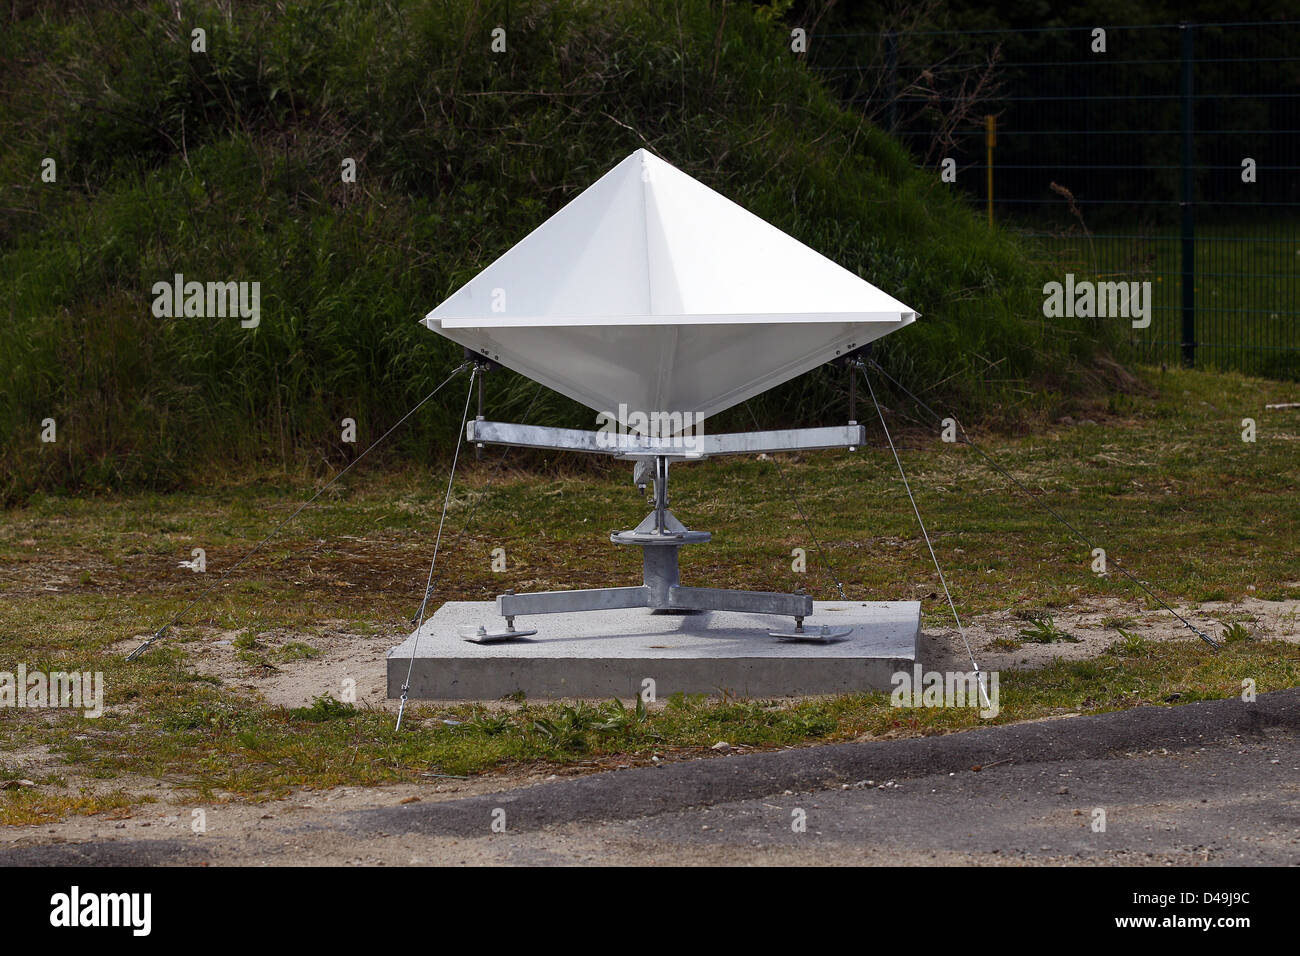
(1163, 153)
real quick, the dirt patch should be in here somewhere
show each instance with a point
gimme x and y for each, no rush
(1095, 625)
(286, 668)
(159, 812)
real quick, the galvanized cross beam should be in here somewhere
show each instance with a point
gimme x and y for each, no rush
(689, 447)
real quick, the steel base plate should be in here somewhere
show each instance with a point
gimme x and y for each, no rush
(482, 635)
(823, 634)
(644, 538)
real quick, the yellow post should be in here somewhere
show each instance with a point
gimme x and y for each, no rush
(990, 140)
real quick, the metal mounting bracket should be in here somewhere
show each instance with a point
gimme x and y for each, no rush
(660, 535)
(824, 634)
(481, 635)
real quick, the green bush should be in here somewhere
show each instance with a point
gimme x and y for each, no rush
(226, 165)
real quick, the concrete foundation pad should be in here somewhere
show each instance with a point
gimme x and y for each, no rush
(610, 653)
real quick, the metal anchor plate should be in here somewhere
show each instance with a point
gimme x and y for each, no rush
(481, 634)
(822, 634)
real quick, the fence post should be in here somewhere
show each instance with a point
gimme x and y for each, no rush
(1188, 199)
(891, 74)
(990, 140)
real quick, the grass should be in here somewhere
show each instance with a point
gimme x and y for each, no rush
(1167, 487)
(1043, 630)
(219, 746)
(226, 166)
(1131, 645)
(1236, 633)
(1164, 483)
(27, 807)
(1246, 289)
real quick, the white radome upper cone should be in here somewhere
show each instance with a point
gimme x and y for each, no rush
(651, 292)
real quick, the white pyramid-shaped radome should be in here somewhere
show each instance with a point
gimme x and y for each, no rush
(650, 292)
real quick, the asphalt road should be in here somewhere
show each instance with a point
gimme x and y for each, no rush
(1211, 782)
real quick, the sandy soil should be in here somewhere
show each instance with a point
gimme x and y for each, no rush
(1087, 621)
(269, 671)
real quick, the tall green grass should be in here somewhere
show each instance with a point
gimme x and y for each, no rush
(226, 166)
